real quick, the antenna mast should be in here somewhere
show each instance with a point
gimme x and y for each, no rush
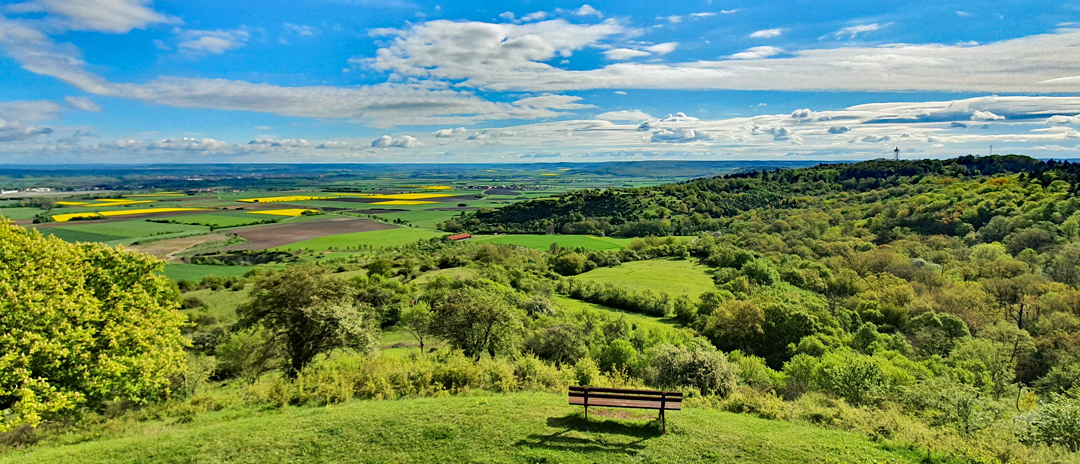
(991, 149)
(896, 157)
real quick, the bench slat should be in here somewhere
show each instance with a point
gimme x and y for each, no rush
(625, 390)
(632, 404)
(592, 395)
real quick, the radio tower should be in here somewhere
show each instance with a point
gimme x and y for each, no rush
(896, 157)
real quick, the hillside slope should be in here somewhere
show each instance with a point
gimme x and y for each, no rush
(524, 427)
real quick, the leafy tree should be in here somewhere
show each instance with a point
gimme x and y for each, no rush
(569, 264)
(419, 321)
(697, 366)
(475, 316)
(307, 312)
(81, 324)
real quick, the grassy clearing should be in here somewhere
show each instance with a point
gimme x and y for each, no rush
(454, 272)
(219, 219)
(110, 231)
(640, 320)
(376, 238)
(195, 272)
(543, 242)
(674, 276)
(523, 427)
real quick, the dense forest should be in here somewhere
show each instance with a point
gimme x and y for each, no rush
(930, 304)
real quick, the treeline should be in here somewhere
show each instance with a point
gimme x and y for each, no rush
(704, 204)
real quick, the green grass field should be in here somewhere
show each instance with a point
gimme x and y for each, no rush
(522, 427)
(88, 231)
(222, 219)
(376, 238)
(569, 304)
(543, 242)
(676, 277)
(19, 213)
(195, 272)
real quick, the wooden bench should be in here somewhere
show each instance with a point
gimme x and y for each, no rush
(625, 398)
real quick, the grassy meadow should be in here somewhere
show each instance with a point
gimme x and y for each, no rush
(674, 276)
(480, 427)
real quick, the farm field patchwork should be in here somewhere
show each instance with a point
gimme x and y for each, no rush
(19, 213)
(111, 231)
(674, 276)
(222, 219)
(284, 199)
(278, 235)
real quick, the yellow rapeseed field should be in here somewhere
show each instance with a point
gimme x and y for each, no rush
(397, 196)
(283, 212)
(126, 212)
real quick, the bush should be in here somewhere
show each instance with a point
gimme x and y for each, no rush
(699, 366)
(1057, 423)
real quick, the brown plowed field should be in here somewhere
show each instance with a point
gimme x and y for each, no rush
(275, 235)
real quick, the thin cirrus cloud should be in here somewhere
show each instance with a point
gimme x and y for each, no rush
(767, 33)
(211, 42)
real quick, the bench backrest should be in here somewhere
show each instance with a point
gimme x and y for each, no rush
(623, 397)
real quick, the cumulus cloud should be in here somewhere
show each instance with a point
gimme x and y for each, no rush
(110, 16)
(757, 53)
(404, 141)
(852, 31)
(188, 144)
(445, 133)
(621, 54)
(839, 129)
(986, 116)
(677, 136)
(1061, 119)
(876, 138)
(624, 115)
(211, 42)
(82, 103)
(662, 48)
(767, 33)
(588, 10)
(287, 143)
(13, 131)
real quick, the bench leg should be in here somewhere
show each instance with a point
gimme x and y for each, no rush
(586, 413)
(663, 420)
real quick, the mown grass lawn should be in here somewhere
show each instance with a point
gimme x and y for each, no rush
(674, 276)
(496, 428)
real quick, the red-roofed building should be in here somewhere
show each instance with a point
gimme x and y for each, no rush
(458, 237)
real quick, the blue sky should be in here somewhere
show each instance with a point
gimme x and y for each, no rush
(425, 81)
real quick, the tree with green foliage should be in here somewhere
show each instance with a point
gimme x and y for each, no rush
(307, 312)
(81, 324)
(419, 321)
(475, 316)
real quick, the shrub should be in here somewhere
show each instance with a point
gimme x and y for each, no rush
(699, 366)
(1057, 423)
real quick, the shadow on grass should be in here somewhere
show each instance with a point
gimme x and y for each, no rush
(562, 441)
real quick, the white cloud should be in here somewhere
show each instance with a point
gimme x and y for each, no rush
(301, 30)
(263, 128)
(963, 14)
(82, 103)
(757, 53)
(876, 138)
(1060, 119)
(30, 111)
(445, 133)
(624, 115)
(673, 19)
(507, 15)
(621, 54)
(188, 144)
(288, 143)
(13, 131)
(535, 16)
(986, 116)
(404, 141)
(730, 11)
(111, 16)
(553, 102)
(852, 31)
(212, 42)
(1053, 148)
(662, 48)
(588, 10)
(705, 14)
(767, 33)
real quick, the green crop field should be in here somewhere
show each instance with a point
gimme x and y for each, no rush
(223, 219)
(376, 238)
(543, 242)
(195, 272)
(88, 231)
(19, 213)
(676, 277)
(522, 427)
(425, 219)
